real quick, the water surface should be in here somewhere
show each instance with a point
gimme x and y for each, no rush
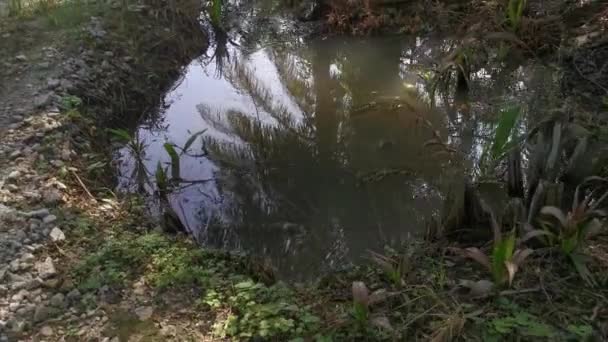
(316, 150)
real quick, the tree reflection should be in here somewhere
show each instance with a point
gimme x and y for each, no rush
(337, 181)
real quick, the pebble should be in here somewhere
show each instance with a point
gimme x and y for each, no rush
(49, 219)
(46, 269)
(144, 312)
(43, 313)
(18, 327)
(20, 296)
(74, 296)
(43, 100)
(52, 283)
(51, 196)
(57, 300)
(57, 234)
(14, 175)
(40, 213)
(53, 83)
(21, 58)
(46, 331)
(15, 154)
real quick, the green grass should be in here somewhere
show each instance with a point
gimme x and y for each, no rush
(256, 310)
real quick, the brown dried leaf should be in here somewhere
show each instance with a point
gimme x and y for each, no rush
(475, 254)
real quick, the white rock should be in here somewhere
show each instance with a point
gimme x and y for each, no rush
(27, 257)
(57, 234)
(46, 269)
(14, 175)
(46, 331)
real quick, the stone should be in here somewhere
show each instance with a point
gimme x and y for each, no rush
(53, 83)
(20, 296)
(57, 163)
(27, 257)
(32, 195)
(43, 100)
(67, 85)
(46, 269)
(57, 235)
(13, 175)
(43, 313)
(49, 219)
(46, 331)
(52, 283)
(26, 311)
(21, 58)
(40, 213)
(74, 296)
(17, 326)
(66, 154)
(144, 312)
(33, 284)
(51, 196)
(15, 154)
(58, 300)
(6, 212)
(14, 266)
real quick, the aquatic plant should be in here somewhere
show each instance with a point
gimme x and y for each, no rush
(137, 150)
(502, 141)
(504, 260)
(571, 230)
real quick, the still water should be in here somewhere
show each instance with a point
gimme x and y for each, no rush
(317, 150)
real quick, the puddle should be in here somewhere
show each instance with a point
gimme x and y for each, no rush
(316, 150)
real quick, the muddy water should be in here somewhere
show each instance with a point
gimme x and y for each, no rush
(316, 150)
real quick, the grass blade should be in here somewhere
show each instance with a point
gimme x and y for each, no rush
(175, 167)
(192, 138)
(506, 125)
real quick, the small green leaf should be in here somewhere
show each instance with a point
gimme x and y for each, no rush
(120, 135)
(175, 162)
(506, 125)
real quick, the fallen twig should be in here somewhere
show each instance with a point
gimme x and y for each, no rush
(84, 187)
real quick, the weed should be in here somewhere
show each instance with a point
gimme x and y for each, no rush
(515, 10)
(521, 322)
(113, 263)
(259, 311)
(570, 231)
(505, 259)
(503, 140)
(363, 301)
(394, 268)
